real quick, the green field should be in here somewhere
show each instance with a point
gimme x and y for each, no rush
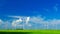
(32, 31)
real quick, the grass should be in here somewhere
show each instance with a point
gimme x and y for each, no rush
(34, 31)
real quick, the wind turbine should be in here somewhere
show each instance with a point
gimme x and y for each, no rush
(27, 21)
(45, 24)
(1, 21)
(16, 23)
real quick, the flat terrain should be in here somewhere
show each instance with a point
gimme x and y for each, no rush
(33, 31)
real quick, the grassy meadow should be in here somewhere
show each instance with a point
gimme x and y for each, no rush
(30, 31)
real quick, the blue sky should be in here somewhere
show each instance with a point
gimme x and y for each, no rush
(35, 9)
(27, 7)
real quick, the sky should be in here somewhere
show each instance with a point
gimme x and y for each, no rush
(38, 13)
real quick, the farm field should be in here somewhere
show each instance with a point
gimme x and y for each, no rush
(30, 31)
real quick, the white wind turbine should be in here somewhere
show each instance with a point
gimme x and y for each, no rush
(1, 21)
(16, 23)
(55, 23)
(27, 21)
(46, 24)
(21, 20)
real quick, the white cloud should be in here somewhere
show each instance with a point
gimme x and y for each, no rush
(1, 21)
(4, 24)
(27, 20)
(43, 21)
(15, 16)
(56, 7)
(21, 18)
(49, 23)
(55, 21)
(36, 19)
(16, 22)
